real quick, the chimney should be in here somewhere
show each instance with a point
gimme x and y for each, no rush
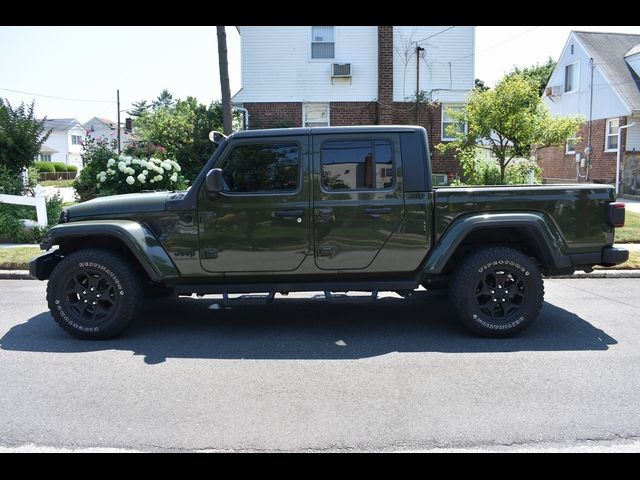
(385, 75)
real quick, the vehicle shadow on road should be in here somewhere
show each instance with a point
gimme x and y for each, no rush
(304, 329)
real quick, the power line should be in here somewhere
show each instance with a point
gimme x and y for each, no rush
(58, 98)
(435, 34)
(490, 46)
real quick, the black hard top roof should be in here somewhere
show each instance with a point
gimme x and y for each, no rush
(273, 132)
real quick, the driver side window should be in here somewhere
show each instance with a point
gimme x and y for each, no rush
(262, 167)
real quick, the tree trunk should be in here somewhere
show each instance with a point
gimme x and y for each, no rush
(503, 167)
(224, 80)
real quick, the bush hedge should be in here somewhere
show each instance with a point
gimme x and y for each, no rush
(59, 167)
(45, 167)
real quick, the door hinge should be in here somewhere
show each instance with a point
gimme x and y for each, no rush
(325, 250)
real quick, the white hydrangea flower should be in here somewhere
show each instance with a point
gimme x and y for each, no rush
(135, 161)
(173, 178)
(121, 166)
(145, 172)
(103, 179)
(166, 165)
(143, 163)
(127, 161)
(141, 178)
(111, 162)
(130, 180)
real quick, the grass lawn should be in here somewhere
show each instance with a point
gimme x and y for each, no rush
(630, 233)
(17, 258)
(632, 264)
(56, 183)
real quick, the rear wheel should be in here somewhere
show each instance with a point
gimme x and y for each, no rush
(94, 294)
(497, 292)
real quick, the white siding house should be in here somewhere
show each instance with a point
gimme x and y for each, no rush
(597, 77)
(297, 76)
(104, 128)
(65, 142)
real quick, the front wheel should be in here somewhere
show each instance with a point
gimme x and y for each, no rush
(497, 292)
(94, 294)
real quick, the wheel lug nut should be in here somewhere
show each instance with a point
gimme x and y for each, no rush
(98, 296)
(92, 289)
(84, 292)
(95, 302)
(85, 301)
(493, 291)
(495, 300)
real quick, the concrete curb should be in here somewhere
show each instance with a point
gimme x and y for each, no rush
(15, 275)
(24, 274)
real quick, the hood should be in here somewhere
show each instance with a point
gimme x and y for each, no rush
(120, 205)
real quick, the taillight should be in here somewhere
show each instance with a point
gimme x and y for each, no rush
(615, 214)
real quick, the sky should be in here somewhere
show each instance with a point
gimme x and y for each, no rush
(86, 65)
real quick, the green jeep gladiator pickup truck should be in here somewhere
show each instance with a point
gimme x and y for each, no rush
(325, 209)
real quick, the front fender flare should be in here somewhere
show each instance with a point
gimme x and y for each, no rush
(544, 233)
(139, 239)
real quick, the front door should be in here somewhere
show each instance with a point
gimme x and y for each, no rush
(261, 221)
(358, 201)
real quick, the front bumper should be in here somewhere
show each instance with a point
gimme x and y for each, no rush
(40, 267)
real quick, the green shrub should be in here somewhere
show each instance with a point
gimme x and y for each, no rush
(129, 175)
(95, 154)
(11, 229)
(59, 167)
(10, 183)
(72, 169)
(45, 167)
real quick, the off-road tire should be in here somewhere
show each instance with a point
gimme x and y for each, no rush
(100, 313)
(478, 289)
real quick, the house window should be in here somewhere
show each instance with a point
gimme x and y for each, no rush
(571, 146)
(315, 115)
(262, 167)
(322, 42)
(571, 74)
(44, 157)
(76, 140)
(611, 137)
(357, 165)
(447, 121)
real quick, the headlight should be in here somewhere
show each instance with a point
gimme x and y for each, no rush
(64, 216)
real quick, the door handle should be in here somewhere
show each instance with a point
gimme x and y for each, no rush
(289, 214)
(378, 211)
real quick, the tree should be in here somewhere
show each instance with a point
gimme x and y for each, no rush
(509, 119)
(183, 131)
(164, 100)
(21, 136)
(538, 75)
(224, 80)
(139, 108)
(479, 85)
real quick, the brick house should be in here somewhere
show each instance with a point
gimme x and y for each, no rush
(295, 76)
(598, 77)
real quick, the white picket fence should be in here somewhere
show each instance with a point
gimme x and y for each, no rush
(39, 201)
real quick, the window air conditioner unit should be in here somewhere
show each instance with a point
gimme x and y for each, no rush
(440, 179)
(341, 70)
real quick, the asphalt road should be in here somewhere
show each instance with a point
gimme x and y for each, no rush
(307, 375)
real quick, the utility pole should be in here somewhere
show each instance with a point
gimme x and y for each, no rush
(118, 97)
(418, 50)
(224, 80)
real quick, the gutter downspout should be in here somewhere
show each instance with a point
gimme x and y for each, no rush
(245, 113)
(618, 155)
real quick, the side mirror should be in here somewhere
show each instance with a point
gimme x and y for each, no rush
(214, 180)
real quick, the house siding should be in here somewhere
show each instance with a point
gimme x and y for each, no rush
(446, 69)
(276, 65)
(606, 103)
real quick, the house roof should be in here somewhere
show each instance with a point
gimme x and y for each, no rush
(61, 124)
(47, 150)
(104, 121)
(608, 51)
(633, 51)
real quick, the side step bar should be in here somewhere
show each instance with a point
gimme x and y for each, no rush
(272, 288)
